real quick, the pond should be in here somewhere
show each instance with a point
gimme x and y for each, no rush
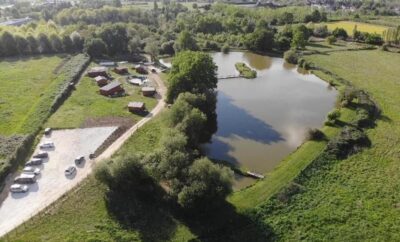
(262, 120)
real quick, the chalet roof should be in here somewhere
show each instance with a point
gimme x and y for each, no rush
(98, 69)
(100, 78)
(110, 86)
(136, 105)
(148, 89)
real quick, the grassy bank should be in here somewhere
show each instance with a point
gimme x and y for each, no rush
(356, 198)
(86, 107)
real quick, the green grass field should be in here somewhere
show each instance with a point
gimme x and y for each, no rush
(363, 27)
(87, 105)
(358, 198)
(25, 83)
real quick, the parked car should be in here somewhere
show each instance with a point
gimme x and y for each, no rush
(79, 160)
(18, 188)
(47, 131)
(47, 145)
(70, 170)
(31, 170)
(25, 179)
(34, 162)
(41, 154)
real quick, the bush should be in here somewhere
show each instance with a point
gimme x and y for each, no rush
(321, 31)
(332, 117)
(291, 56)
(225, 49)
(340, 33)
(315, 134)
(331, 40)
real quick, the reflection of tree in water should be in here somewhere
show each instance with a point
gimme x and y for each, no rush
(234, 121)
(258, 62)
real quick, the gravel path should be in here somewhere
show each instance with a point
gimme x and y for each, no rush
(52, 183)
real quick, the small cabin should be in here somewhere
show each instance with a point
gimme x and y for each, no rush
(101, 80)
(97, 71)
(136, 107)
(121, 70)
(112, 88)
(141, 69)
(148, 91)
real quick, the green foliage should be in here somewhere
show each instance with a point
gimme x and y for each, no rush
(315, 134)
(193, 72)
(291, 56)
(340, 33)
(300, 37)
(245, 71)
(207, 183)
(260, 40)
(331, 39)
(95, 47)
(332, 117)
(185, 41)
(225, 49)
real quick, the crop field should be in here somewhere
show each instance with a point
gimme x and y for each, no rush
(357, 198)
(363, 27)
(25, 83)
(86, 107)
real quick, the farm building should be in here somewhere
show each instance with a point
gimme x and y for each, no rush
(101, 80)
(97, 71)
(136, 107)
(111, 89)
(121, 70)
(148, 91)
(136, 81)
(141, 69)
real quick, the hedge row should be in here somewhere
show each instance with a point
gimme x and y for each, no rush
(16, 148)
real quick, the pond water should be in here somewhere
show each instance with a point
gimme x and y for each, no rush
(262, 120)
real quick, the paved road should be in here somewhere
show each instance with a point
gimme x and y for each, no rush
(7, 224)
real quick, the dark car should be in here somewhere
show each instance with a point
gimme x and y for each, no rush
(34, 162)
(79, 160)
(41, 154)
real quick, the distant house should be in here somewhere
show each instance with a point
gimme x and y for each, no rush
(148, 91)
(97, 71)
(121, 70)
(112, 88)
(141, 69)
(101, 80)
(136, 107)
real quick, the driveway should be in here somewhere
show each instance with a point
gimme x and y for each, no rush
(52, 183)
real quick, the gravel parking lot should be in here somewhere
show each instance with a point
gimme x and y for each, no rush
(52, 182)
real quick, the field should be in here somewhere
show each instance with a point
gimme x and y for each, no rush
(357, 198)
(25, 83)
(363, 27)
(86, 107)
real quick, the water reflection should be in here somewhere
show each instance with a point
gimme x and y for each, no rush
(257, 62)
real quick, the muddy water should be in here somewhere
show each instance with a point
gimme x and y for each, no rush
(262, 120)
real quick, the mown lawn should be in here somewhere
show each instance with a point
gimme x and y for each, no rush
(358, 198)
(24, 84)
(86, 104)
(363, 27)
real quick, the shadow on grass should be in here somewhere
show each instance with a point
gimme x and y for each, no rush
(226, 224)
(142, 212)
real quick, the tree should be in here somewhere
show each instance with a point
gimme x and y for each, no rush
(67, 44)
(56, 43)
(134, 45)
(95, 47)
(115, 37)
(299, 40)
(286, 18)
(193, 72)
(44, 44)
(77, 41)
(260, 40)
(152, 48)
(185, 42)
(167, 48)
(8, 44)
(340, 33)
(33, 45)
(22, 45)
(207, 184)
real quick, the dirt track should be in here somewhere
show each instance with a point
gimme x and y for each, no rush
(8, 223)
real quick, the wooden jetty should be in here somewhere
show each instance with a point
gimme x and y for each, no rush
(254, 175)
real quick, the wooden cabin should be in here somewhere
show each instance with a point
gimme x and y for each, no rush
(112, 88)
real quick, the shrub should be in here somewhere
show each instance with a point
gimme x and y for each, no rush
(315, 134)
(291, 56)
(321, 31)
(331, 39)
(225, 49)
(340, 33)
(332, 117)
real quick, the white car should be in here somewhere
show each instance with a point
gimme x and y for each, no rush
(70, 170)
(18, 188)
(47, 145)
(31, 170)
